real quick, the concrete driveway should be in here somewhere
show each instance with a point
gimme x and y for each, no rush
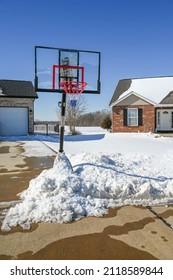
(127, 232)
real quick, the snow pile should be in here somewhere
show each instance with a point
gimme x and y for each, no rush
(96, 182)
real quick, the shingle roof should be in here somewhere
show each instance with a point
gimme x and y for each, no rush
(15, 88)
(123, 85)
(157, 89)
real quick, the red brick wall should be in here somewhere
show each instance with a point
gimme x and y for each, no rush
(148, 119)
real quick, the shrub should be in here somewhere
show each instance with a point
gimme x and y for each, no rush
(106, 123)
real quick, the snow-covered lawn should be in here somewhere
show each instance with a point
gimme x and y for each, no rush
(105, 170)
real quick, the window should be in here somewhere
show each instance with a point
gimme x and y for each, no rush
(132, 117)
(172, 119)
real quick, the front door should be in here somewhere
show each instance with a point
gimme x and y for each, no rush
(165, 120)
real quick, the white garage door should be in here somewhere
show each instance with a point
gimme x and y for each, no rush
(13, 121)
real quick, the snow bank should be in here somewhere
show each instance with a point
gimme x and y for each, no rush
(95, 183)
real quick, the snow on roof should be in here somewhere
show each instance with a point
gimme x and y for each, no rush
(154, 89)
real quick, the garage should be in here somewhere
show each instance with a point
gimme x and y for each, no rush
(16, 107)
(13, 121)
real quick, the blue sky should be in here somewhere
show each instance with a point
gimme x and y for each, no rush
(135, 38)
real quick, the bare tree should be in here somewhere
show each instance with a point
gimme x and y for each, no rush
(73, 113)
(93, 118)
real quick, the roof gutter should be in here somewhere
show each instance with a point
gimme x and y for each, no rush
(163, 105)
(13, 96)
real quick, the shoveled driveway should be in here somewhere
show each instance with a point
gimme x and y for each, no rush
(128, 232)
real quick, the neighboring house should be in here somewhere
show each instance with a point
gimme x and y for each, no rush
(143, 105)
(16, 107)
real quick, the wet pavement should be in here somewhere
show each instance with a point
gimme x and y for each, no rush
(127, 232)
(16, 170)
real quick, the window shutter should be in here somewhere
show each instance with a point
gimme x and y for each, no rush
(125, 117)
(139, 117)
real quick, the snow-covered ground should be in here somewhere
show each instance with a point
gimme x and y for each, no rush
(100, 170)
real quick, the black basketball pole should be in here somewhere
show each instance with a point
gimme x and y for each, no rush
(62, 128)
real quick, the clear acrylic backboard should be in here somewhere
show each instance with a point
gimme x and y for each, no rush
(47, 57)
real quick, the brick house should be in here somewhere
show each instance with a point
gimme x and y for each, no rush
(143, 105)
(16, 107)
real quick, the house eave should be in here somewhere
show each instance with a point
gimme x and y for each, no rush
(13, 96)
(163, 105)
(132, 93)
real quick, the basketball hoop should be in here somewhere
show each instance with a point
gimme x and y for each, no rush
(73, 89)
(70, 83)
(67, 77)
